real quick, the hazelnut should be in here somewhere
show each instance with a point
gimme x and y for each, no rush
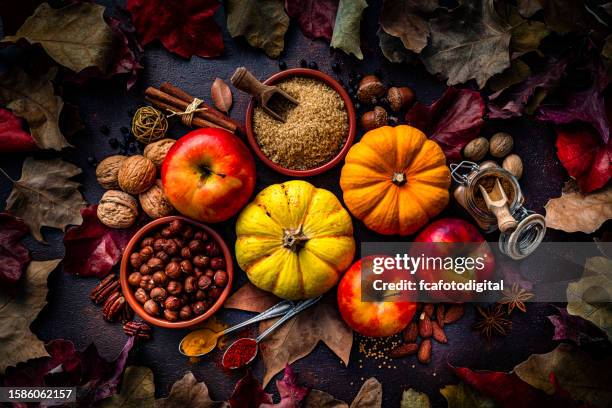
(514, 165)
(217, 263)
(136, 174)
(174, 288)
(185, 252)
(199, 308)
(204, 282)
(197, 272)
(146, 282)
(200, 235)
(156, 152)
(147, 242)
(186, 313)
(186, 267)
(171, 247)
(220, 278)
(173, 270)
(172, 303)
(160, 278)
(117, 209)
(167, 232)
(136, 260)
(187, 232)
(196, 246)
(370, 89)
(400, 98)
(134, 278)
(212, 249)
(155, 203)
(146, 253)
(141, 295)
(476, 149)
(159, 244)
(145, 270)
(155, 264)
(151, 307)
(175, 226)
(201, 261)
(163, 256)
(107, 172)
(210, 273)
(200, 295)
(171, 315)
(501, 144)
(215, 292)
(158, 294)
(190, 284)
(374, 118)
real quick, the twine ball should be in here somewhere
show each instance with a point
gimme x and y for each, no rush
(149, 125)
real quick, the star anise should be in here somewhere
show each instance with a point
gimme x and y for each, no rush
(492, 321)
(515, 297)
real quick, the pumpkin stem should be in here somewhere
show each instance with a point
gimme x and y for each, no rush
(294, 240)
(399, 179)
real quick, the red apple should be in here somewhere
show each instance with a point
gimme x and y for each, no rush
(208, 175)
(375, 319)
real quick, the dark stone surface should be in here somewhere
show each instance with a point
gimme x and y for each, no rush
(72, 316)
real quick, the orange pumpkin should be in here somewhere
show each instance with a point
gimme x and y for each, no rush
(395, 179)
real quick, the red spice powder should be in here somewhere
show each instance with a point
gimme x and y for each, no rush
(239, 353)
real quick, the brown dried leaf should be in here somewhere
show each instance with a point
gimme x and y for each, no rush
(369, 396)
(574, 211)
(18, 310)
(189, 393)
(299, 336)
(137, 390)
(221, 95)
(45, 195)
(405, 19)
(251, 299)
(320, 399)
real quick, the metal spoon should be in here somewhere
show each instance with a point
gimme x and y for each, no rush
(278, 309)
(297, 309)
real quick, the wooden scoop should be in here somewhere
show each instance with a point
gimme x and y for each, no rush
(264, 94)
(497, 203)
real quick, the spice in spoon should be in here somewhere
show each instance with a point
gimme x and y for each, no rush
(240, 353)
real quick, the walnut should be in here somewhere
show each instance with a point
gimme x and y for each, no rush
(154, 202)
(117, 209)
(137, 174)
(156, 152)
(476, 150)
(108, 170)
(501, 144)
(514, 165)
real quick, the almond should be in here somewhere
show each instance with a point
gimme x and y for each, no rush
(425, 326)
(410, 333)
(424, 354)
(454, 313)
(440, 315)
(437, 333)
(428, 309)
(404, 350)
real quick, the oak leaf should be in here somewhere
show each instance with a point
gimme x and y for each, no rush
(315, 17)
(369, 396)
(406, 20)
(347, 28)
(189, 393)
(251, 299)
(45, 195)
(137, 390)
(13, 255)
(19, 309)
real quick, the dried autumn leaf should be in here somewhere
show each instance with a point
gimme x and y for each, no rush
(19, 309)
(315, 17)
(251, 299)
(573, 328)
(75, 36)
(137, 390)
(393, 49)
(414, 399)
(290, 392)
(12, 136)
(248, 393)
(526, 34)
(574, 211)
(369, 396)
(33, 100)
(406, 20)
(189, 393)
(185, 28)
(45, 196)
(347, 27)
(221, 95)
(299, 336)
(515, 74)
(263, 23)
(584, 378)
(589, 297)
(13, 255)
(318, 399)
(462, 396)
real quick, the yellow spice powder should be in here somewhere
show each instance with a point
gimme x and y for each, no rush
(314, 131)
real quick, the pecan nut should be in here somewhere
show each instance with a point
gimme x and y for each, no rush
(113, 307)
(104, 289)
(140, 330)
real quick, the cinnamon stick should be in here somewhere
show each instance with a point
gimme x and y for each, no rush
(199, 122)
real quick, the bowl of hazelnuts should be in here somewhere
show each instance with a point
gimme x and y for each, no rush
(175, 272)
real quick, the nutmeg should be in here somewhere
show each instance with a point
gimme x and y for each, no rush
(374, 118)
(476, 149)
(156, 152)
(136, 174)
(107, 171)
(154, 202)
(514, 165)
(501, 144)
(117, 209)
(370, 89)
(400, 98)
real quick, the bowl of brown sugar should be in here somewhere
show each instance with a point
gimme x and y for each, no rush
(316, 134)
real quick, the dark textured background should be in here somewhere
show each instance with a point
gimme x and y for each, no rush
(70, 314)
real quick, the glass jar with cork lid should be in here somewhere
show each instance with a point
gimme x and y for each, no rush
(521, 230)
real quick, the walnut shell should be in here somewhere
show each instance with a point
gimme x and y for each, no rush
(501, 144)
(156, 152)
(108, 170)
(137, 174)
(117, 209)
(514, 165)
(476, 150)
(154, 202)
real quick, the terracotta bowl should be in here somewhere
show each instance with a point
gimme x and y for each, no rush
(352, 123)
(128, 291)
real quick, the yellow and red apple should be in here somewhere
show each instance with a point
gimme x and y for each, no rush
(208, 175)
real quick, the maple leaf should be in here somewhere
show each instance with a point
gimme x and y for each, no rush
(13, 255)
(290, 392)
(315, 17)
(45, 195)
(12, 136)
(185, 28)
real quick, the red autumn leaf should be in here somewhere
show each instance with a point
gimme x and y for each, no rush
(315, 17)
(290, 392)
(12, 136)
(184, 27)
(452, 121)
(92, 249)
(584, 157)
(574, 328)
(13, 255)
(248, 393)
